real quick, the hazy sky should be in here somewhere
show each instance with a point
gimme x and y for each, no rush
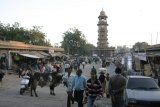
(129, 21)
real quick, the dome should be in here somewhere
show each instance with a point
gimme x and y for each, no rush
(102, 13)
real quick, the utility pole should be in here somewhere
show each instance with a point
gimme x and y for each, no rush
(68, 50)
(157, 38)
(151, 38)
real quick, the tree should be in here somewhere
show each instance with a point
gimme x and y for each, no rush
(138, 46)
(15, 32)
(74, 42)
(88, 49)
(37, 37)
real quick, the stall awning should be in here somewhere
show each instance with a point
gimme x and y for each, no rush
(43, 53)
(30, 56)
(38, 54)
(154, 54)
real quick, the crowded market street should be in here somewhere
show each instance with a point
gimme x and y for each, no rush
(10, 97)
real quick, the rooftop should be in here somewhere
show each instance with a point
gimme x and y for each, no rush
(24, 46)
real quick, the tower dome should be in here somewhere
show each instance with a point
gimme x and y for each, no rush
(102, 13)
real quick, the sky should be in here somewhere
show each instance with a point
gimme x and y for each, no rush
(130, 21)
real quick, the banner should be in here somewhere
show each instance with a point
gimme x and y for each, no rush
(140, 56)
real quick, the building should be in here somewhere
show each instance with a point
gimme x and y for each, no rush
(148, 60)
(102, 49)
(10, 49)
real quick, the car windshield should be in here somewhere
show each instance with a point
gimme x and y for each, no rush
(142, 83)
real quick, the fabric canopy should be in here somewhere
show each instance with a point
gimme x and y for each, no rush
(43, 53)
(30, 56)
(37, 54)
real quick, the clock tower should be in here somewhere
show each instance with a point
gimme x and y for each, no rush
(102, 31)
(103, 50)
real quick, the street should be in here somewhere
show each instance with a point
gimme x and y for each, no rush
(10, 97)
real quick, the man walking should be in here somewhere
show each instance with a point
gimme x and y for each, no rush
(106, 88)
(102, 79)
(83, 64)
(67, 80)
(79, 85)
(116, 88)
(94, 89)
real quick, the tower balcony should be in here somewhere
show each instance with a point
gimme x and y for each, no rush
(104, 31)
(102, 39)
(103, 42)
(100, 23)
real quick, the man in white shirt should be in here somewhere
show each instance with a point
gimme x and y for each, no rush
(49, 67)
(67, 66)
(83, 64)
(67, 80)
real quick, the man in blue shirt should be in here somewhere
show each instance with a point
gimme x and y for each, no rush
(79, 85)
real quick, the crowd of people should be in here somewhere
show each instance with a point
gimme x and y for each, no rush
(79, 88)
(41, 67)
(89, 90)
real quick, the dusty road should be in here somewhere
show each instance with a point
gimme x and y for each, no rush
(10, 97)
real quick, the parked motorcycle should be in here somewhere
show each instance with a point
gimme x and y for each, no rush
(24, 84)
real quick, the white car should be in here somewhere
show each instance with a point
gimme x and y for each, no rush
(141, 91)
